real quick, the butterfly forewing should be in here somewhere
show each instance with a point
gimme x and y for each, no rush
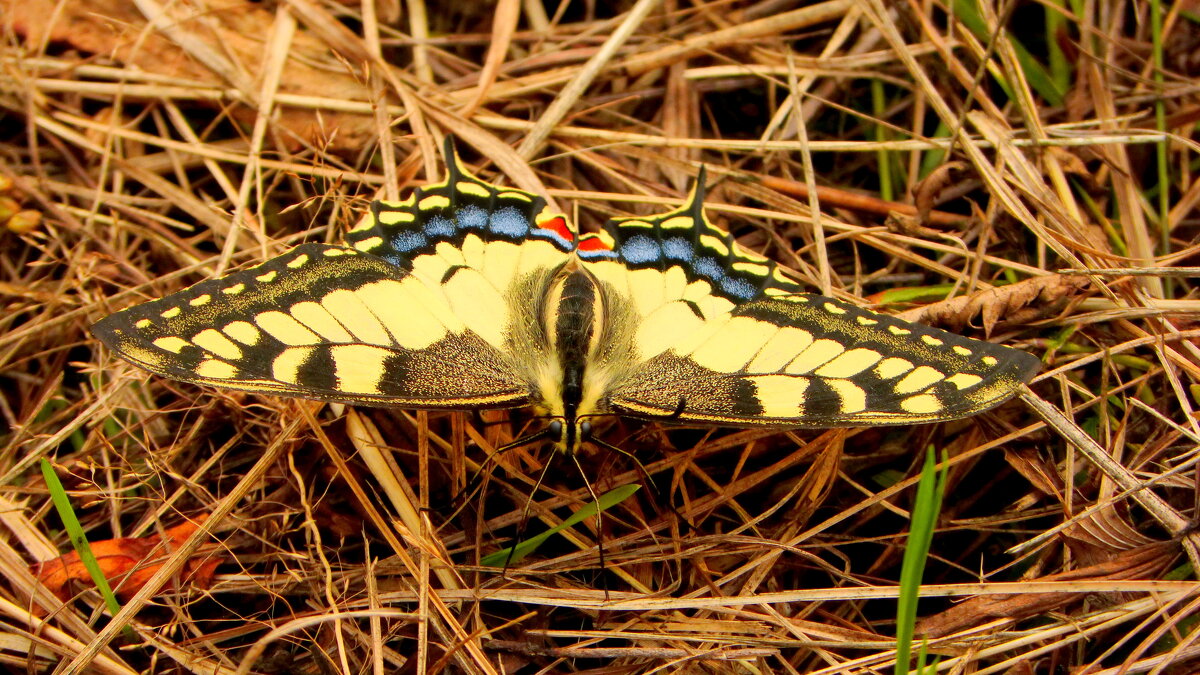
(322, 322)
(812, 361)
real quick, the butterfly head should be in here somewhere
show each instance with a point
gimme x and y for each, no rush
(569, 435)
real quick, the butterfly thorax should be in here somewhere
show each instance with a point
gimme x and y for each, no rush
(573, 317)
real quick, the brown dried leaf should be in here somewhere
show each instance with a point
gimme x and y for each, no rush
(1147, 562)
(1093, 537)
(116, 29)
(1015, 304)
(909, 226)
(925, 194)
(1070, 162)
(1103, 531)
(1041, 474)
(127, 563)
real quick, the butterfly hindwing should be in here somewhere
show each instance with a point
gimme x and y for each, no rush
(685, 247)
(666, 275)
(465, 223)
(721, 336)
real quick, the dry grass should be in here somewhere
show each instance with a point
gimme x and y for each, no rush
(165, 143)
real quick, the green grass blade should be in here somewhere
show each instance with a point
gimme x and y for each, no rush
(1059, 65)
(62, 504)
(883, 157)
(897, 296)
(926, 507)
(1160, 122)
(605, 501)
(1036, 74)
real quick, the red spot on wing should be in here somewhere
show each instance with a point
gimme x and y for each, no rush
(593, 243)
(558, 225)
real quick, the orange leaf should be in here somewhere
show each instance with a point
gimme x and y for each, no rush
(128, 563)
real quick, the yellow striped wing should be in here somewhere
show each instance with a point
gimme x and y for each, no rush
(719, 335)
(426, 308)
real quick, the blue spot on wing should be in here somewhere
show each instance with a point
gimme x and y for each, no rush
(554, 238)
(509, 222)
(707, 267)
(640, 249)
(596, 254)
(472, 217)
(439, 226)
(407, 240)
(678, 248)
(739, 288)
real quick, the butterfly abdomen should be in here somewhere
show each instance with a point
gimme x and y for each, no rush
(575, 330)
(573, 320)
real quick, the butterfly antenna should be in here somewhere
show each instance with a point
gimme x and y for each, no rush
(629, 455)
(484, 470)
(525, 512)
(599, 520)
(642, 467)
(674, 415)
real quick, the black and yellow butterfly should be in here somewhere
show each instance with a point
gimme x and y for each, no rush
(471, 295)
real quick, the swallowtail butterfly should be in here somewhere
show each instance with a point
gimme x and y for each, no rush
(471, 295)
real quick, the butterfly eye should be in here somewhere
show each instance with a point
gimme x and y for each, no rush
(585, 429)
(556, 428)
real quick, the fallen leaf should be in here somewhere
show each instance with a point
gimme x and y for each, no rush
(1146, 562)
(229, 32)
(1040, 473)
(1016, 303)
(128, 563)
(927, 192)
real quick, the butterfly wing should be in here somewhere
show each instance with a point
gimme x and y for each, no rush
(419, 311)
(720, 336)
